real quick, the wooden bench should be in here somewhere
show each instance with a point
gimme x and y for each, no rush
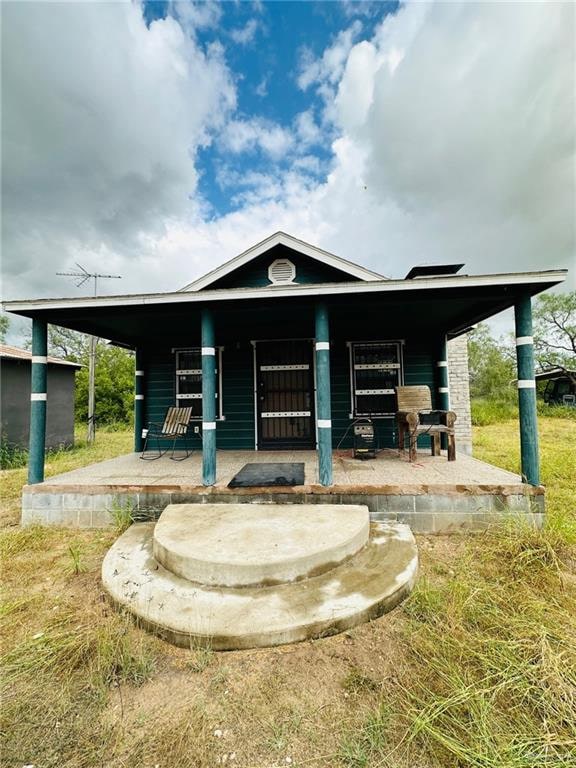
(175, 427)
(415, 417)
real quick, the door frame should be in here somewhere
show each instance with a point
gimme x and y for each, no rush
(254, 343)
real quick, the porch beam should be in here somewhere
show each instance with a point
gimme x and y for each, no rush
(208, 399)
(138, 400)
(323, 407)
(38, 397)
(530, 461)
(443, 384)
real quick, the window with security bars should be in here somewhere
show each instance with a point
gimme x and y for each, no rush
(376, 371)
(189, 380)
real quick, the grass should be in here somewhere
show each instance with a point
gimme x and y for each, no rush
(492, 411)
(476, 669)
(107, 445)
(490, 651)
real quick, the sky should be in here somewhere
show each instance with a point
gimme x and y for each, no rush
(157, 140)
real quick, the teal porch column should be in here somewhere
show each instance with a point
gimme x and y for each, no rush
(38, 401)
(443, 383)
(527, 392)
(138, 401)
(208, 399)
(323, 407)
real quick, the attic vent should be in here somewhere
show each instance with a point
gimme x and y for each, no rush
(281, 271)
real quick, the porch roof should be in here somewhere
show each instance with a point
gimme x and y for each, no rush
(450, 304)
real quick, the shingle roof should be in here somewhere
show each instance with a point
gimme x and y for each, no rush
(15, 353)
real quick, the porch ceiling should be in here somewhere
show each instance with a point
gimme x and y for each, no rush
(403, 308)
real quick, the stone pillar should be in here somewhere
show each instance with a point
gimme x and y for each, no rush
(38, 401)
(139, 401)
(443, 383)
(208, 399)
(459, 378)
(323, 407)
(526, 392)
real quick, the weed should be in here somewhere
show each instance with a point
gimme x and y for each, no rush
(361, 745)
(106, 649)
(12, 456)
(201, 659)
(122, 514)
(220, 677)
(357, 681)
(14, 542)
(282, 730)
(76, 564)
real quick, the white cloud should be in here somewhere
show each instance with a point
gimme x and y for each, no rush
(196, 15)
(455, 142)
(262, 88)
(329, 67)
(102, 119)
(307, 130)
(245, 34)
(257, 134)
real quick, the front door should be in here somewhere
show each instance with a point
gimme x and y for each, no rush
(285, 395)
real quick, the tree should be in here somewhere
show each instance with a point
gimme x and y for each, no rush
(492, 365)
(71, 345)
(114, 386)
(114, 375)
(555, 332)
(4, 324)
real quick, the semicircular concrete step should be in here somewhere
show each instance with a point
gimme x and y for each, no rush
(188, 614)
(238, 545)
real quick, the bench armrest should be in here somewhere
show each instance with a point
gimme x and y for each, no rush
(409, 417)
(449, 418)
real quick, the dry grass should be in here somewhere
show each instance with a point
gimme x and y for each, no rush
(477, 668)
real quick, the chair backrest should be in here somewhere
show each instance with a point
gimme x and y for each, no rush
(416, 398)
(176, 421)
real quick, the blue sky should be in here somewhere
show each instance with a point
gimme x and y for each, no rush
(267, 45)
(156, 141)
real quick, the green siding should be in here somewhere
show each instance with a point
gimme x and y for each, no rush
(255, 273)
(237, 431)
(418, 369)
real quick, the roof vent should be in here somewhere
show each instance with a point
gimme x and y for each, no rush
(281, 271)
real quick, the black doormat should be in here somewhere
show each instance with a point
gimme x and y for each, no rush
(259, 475)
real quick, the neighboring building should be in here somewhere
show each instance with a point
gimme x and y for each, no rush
(286, 345)
(560, 388)
(15, 365)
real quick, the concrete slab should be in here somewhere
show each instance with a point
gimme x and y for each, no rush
(234, 545)
(388, 485)
(224, 618)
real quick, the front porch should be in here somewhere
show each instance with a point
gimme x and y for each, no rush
(431, 495)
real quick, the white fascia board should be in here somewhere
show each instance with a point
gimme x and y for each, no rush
(281, 238)
(551, 277)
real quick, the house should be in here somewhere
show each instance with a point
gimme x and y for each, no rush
(284, 346)
(16, 365)
(560, 386)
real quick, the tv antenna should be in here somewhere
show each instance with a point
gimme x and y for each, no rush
(82, 277)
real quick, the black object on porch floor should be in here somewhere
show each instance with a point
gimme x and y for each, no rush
(258, 475)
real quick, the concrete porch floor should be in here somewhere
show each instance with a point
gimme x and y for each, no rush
(431, 494)
(388, 469)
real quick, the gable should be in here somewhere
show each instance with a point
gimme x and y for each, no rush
(255, 274)
(282, 259)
